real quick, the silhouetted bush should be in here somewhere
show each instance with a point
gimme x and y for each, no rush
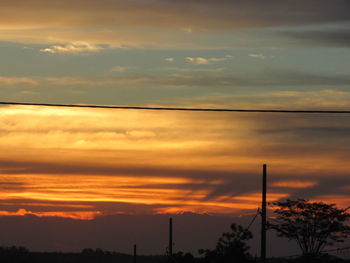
(231, 247)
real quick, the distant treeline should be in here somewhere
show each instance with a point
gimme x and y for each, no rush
(22, 255)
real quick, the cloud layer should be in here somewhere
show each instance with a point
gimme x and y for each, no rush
(108, 162)
(122, 23)
(182, 14)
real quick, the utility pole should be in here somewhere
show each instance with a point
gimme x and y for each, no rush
(170, 237)
(263, 215)
(135, 253)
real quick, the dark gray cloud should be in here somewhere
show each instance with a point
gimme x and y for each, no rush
(330, 184)
(331, 38)
(171, 13)
(300, 78)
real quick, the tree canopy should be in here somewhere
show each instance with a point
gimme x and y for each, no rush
(313, 225)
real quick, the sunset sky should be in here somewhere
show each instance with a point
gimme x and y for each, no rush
(84, 164)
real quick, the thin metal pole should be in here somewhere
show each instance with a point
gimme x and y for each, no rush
(263, 215)
(135, 253)
(170, 237)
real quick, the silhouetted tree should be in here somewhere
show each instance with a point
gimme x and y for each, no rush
(313, 225)
(231, 247)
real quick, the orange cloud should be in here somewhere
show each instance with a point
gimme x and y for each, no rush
(80, 215)
(294, 184)
(340, 200)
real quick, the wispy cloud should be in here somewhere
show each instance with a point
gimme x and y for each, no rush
(259, 56)
(294, 184)
(188, 30)
(72, 48)
(120, 69)
(12, 81)
(205, 61)
(170, 60)
(187, 70)
(314, 100)
(270, 78)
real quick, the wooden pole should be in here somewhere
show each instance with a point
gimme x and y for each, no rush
(263, 215)
(135, 253)
(170, 237)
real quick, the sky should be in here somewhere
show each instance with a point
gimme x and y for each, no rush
(88, 164)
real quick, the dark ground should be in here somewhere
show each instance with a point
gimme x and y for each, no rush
(22, 255)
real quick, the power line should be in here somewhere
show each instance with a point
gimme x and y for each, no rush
(173, 108)
(255, 216)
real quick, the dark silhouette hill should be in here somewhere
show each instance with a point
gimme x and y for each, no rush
(120, 232)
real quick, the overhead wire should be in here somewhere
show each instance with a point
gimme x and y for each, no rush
(173, 108)
(253, 220)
